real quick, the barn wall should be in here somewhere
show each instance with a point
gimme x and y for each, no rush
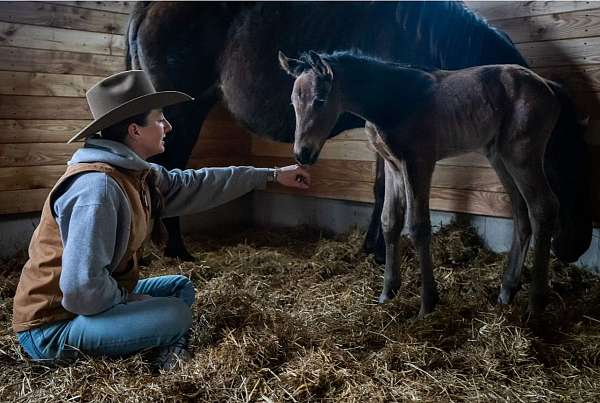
(52, 52)
(561, 40)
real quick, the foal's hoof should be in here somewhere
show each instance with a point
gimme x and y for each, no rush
(506, 296)
(386, 296)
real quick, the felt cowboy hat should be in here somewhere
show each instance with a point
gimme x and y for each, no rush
(124, 95)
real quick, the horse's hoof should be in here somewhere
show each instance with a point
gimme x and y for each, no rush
(179, 253)
(379, 258)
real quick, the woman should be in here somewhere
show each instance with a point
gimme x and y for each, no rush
(80, 289)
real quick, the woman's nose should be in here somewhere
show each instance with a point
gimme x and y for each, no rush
(168, 126)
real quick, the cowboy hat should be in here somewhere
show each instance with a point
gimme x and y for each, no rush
(124, 95)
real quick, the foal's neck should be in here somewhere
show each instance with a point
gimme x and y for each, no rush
(382, 93)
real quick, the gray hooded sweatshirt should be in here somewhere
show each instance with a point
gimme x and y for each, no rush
(94, 217)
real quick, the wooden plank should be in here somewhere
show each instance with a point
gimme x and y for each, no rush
(22, 201)
(341, 150)
(31, 36)
(356, 171)
(57, 85)
(39, 131)
(26, 107)
(579, 24)
(498, 10)
(331, 189)
(463, 201)
(218, 162)
(566, 52)
(472, 202)
(59, 62)
(62, 16)
(123, 7)
(37, 177)
(466, 160)
(15, 155)
(575, 78)
(220, 148)
(444, 176)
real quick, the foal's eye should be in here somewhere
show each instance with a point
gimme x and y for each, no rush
(318, 103)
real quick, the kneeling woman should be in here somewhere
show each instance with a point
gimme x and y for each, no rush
(80, 289)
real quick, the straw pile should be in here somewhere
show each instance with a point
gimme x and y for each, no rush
(291, 315)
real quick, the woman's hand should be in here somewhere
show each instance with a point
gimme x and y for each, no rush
(294, 176)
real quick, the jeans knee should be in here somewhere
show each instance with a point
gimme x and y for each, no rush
(186, 290)
(178, 315)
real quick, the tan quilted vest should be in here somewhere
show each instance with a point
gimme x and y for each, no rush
(38, 297)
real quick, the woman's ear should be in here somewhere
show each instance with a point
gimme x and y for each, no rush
(133, 132)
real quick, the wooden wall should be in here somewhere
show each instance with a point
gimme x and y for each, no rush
(52, 52)
(561, 40)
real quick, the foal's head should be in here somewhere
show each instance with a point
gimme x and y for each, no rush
(316, 104)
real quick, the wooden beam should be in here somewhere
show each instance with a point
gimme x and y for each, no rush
(59, 62)
(39, 131)
(56, 85)
(37, 177)
(62, 16)
(575, 78)
(578, 24)
(499, 10)
(566, 52)
(26, 107)
(22, 201)
(123, 7)
(18, 155)
(31, 36)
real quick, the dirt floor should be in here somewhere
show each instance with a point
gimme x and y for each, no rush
(291, 315)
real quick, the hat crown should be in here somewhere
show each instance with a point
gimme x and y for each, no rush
(117, 90)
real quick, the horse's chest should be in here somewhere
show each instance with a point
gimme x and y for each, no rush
(378, 143)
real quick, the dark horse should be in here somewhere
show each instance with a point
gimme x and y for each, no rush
(228, 51)
(415, 118)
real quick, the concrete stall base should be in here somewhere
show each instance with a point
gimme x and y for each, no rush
(280, 210)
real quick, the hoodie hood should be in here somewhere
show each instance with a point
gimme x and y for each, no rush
(110, 152)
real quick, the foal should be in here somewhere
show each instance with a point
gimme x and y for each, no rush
(416, 117)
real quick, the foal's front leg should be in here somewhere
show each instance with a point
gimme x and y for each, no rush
(418, 184)
(392, 223)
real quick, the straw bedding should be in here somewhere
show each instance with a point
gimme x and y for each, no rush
(291, 315)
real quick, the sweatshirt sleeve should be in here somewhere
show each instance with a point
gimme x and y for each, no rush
(194, 190)
(94, 227)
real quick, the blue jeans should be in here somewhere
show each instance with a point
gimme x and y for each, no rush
(121, 330)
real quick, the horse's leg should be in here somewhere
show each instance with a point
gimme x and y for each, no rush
(187, 121)
(374, 241)
(418, 184)
(392, 222)
(526, 169)
(521, 233)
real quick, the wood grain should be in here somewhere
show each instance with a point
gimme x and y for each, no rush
(499, 10)
(22, 201)
(47, 38)
(27, 107)
(37, 177)
(59, 62)
(39, 131)
(56, 85)
(36, 154)
(62, 16)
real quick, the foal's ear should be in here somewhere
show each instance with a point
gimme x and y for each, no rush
(291, 66)
(320, 65)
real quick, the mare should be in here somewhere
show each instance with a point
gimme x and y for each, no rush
(226, 51)
(415, 117)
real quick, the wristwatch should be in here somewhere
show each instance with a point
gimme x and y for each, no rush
(272, 177)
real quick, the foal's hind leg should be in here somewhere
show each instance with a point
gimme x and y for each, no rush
(392, 222)
(528, 175)
(521, 234)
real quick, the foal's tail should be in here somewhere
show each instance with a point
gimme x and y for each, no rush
(567, 169)
(137, 15)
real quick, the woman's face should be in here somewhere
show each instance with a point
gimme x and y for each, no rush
(151, 137)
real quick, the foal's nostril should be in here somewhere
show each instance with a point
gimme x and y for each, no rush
(305, 156)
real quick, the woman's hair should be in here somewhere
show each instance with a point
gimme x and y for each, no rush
(118, 131)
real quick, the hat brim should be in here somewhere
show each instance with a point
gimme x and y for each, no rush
(131, 108)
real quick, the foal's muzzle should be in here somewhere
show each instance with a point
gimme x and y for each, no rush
(306, 156)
